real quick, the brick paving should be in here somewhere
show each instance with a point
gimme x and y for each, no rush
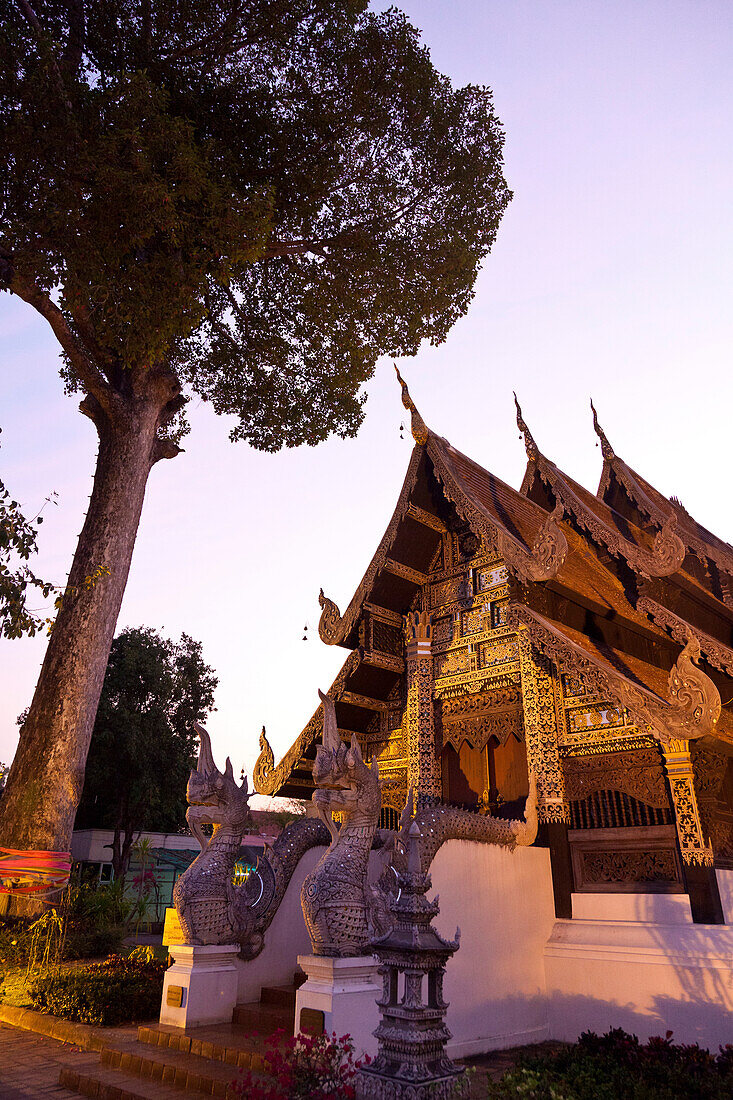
(30, 1065)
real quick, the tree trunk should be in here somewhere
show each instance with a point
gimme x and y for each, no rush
(47, 775)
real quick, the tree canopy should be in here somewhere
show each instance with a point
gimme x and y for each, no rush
(143, 744)
(247, 200)
(264, 195)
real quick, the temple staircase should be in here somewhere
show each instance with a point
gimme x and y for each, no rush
(164, 1062)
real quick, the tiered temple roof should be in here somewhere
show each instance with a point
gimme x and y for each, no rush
(623, 590)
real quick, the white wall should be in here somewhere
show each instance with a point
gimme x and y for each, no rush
(646, 978)
(285, 939)
(495, 982)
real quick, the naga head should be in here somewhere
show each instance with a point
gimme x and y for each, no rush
(215, 798)
(343, 780)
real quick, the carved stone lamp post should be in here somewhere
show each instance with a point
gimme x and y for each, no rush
(412, 1063)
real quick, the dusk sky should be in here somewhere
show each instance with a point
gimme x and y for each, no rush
(611, 276)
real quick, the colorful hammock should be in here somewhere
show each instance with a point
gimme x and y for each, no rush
(33, 872)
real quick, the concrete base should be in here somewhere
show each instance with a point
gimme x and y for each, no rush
(346, 992)
(646, 978)
(201, 986)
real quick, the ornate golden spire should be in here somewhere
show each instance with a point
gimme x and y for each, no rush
(533, 451)
(418, 426)
(606, 448)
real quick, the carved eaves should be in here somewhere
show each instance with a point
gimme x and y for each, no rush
(334, 628)
(550, 548)
(714, 651)
(365, 701)
(658, 514)
(266, 778)
(427, 519)
(405, 572)
(693, 705)
(668, 551)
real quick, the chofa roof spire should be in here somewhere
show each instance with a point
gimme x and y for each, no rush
(533, 451)
(606, 448)
(418, 426)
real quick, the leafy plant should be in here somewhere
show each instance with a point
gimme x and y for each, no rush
(616, 1066)
(307, 1067)
(116, 991)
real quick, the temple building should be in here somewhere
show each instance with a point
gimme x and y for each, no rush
(587, 639)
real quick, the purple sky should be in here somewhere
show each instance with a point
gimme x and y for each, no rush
(611, 275)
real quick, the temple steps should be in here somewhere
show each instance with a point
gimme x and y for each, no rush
(165, 1062)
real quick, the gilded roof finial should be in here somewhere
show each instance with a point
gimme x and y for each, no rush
(533, 451)
(606, 448)
(418, 426)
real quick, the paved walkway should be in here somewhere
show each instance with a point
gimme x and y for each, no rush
(30, 1065)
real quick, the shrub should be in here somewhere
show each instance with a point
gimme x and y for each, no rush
(119, 990)
(616, 1066)
(307, 1067)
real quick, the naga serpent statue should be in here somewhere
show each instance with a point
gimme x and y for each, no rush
(211, 908)
(338, 905)
(344, 906)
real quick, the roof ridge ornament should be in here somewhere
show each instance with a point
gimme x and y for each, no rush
(331, 622)
(606, 449)
(533, 451)
(418, 427)
(693, 693)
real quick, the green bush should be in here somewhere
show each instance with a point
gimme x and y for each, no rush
(616, 1066)
(16, 942)
(117, 991)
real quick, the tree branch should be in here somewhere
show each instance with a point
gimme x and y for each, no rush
(86, 371)
(74, 49)
(34, 22)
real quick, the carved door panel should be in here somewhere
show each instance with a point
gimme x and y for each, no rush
(464, 774)
(508, 774)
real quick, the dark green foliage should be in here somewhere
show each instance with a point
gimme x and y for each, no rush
(143, 745)
(616, 1066)
(15, 943)
(17, 581)
(264, 196)
(116, 991)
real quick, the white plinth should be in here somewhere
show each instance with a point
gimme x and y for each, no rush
(204, 979)
(346, 992)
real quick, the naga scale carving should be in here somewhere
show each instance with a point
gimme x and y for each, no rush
(668, 551)
(210, 907)
(441, 823)
(341, 914)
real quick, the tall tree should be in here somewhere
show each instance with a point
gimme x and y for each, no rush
(143, 744)
(251, 200)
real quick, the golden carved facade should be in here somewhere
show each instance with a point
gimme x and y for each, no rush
(497, 633)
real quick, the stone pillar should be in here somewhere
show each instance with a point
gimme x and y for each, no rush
(543, 759)
(697, 856)
(412, 1063)
(201, 986)
(423, 763)
(342, 994)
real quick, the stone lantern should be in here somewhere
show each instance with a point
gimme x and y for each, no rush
(412, 1063)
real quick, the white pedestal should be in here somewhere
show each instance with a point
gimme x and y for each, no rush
(201, 986)
(346, 992)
